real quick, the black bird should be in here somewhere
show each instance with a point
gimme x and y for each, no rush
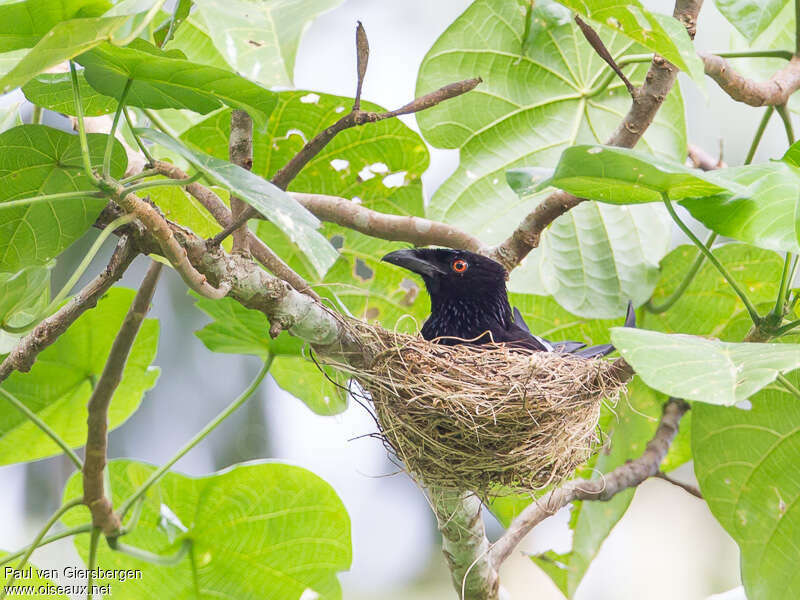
(469, 302)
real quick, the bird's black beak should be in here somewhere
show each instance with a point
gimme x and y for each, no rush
(411, 260)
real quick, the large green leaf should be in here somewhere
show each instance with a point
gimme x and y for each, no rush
(280, 208)
(258, 39)
(534, 102)
(750, 17)
(260, 530)
(23, 295)
(709, 306)
(54, 92)
(239, 330)
(167, 80)
(595, 258)
(66, 40)
(378, 165)
(61, 381)
(701, 369)
(23, 24)
(34, 587)
(660, 33)
(624, 176)
(766, 213)
(37, 160)
(746, 463)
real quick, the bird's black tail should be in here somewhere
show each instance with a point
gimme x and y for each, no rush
(605, 349)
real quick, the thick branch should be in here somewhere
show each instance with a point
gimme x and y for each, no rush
(45, 333)
(240, 151)
(604, 488)
(260, 251)
(103, 515)
(418, 231)
(772, 92)
(648, 99)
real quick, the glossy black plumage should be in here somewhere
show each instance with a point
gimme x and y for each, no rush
(469, 302)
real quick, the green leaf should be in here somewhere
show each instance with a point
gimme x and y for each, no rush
(167, 80)
(195, 43)
(183, 208)
(66, 40)
(23, 24)
(54, 92)
(260, 530)
(701, 369)
(61, 381)
(623, 176)
(595, 258)
(660, 33)
(750, 17)
(23, 295)
(258, 39)
(10, 116)
(709, 306)
(533, 103)
(239, 330)
(40, 580)
(37, 160)
(746, 464)
(766, 213)
(280, 208)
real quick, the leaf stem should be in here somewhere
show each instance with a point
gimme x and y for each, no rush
(50, 197)
(780, 301)
(787, 121)
(92, 564)
(151, 557)
(710, 256)
(159, 122)
(114, 124)
(139, 142)
(36, 117)
(787, 328)
(140, 175)
(144, 23)
(172, 24)
(759, 134)
(49, 540)
(76, 93)
(199, 437)
(34, 418)
(161, 183)
(38, 540)
(687, 280)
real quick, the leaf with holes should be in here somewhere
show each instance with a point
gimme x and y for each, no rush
(377, 165)
(280, 208)
(239, 330)
(701, 369)
(167, 80)
(61, 381)
(532, 104)
(595, 258)
(256, 530)
(37, 160)
(746, 464)
(659, 33)
(258, 39)
(53, 91)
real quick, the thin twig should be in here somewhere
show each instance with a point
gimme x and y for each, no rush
(362, 58)
(623, 477)
(594, 40)
(94, 496)
(762, 126)
(45, 333)
(786, 117)
(692, 489)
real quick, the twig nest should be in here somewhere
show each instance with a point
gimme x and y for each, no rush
(478, 417)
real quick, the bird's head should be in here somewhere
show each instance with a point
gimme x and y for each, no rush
(452, 272)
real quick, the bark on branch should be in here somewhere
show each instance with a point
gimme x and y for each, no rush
(240, 151)
(775, 91)
(47, 332)
(103, 515)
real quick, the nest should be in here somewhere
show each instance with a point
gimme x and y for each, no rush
(483, 418)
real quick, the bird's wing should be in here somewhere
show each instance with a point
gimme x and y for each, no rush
(563, 347)
(604, 349)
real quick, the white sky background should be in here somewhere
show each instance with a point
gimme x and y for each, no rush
(668, 546)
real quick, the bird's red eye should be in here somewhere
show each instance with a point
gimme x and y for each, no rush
(459, 266)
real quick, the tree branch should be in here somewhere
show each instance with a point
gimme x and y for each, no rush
(45, 333)
(700, 159)
(772, 92)
(648, 99)
(260, 251)
(604, 488)
(240, 150)
(417, 230)
(691, 489)
(103, 515)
